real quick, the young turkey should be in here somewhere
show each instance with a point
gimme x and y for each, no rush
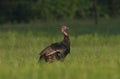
(58, 50)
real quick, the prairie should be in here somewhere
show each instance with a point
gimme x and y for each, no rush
(95, 50)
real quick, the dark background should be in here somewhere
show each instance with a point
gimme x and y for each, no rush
(15, 11)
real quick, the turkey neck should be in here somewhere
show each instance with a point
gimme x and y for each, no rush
(66, 40)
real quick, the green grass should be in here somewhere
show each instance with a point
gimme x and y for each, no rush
(95, 50)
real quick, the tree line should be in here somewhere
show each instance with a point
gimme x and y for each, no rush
(27, 10)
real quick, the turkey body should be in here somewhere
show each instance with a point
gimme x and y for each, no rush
(56, 51)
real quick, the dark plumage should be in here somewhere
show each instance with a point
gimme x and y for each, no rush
(57, 51)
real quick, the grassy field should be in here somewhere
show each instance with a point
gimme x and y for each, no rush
(95, 50)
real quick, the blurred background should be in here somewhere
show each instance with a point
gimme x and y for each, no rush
(31, 10)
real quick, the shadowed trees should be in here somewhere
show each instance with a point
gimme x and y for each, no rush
(27, 10)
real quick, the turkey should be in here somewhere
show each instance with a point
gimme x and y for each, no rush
(57, 51)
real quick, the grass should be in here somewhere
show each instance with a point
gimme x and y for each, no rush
(95, 50)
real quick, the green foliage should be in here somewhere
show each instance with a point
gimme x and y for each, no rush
(57, 9)
(94, 53)
(13, 10)
(27, 10)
